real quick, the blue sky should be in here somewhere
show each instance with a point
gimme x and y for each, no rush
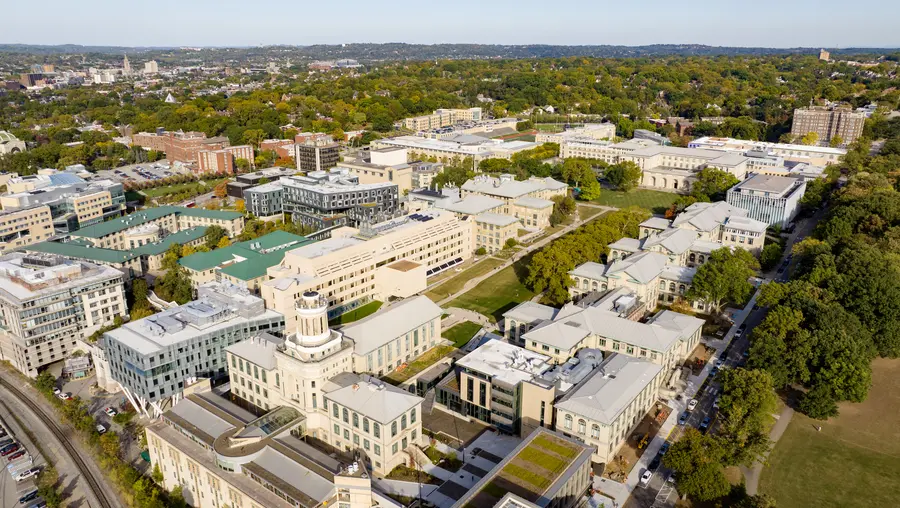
(769, 23)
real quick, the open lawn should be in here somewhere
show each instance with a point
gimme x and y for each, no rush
(461, 333)
(549, 127)
(194, 187)
(498, 293)
(655, 201)
(853, 462)
(521, 136)
(419, 364)
(357, 313)
(456, 283)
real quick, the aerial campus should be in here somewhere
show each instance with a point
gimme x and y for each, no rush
(449, 276)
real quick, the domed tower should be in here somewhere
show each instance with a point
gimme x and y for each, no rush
(312, 319)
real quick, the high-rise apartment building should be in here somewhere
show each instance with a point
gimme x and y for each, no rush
(25, 226)
(223, 160)
(828, 123)
(317, 154)
(49, 303)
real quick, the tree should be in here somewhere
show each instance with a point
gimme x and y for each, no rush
(157, 474)
(171, 257)
(175, 286)
(221, 190)
(818, 403)
(563, 208)
(510, 243)
(697, 461)
(724, 277)
(624, 176)
(239, 206)
(745, 405)
(811, 138)
(45, 382)
(771, 255)
(213, 235)
(242, 164)
(254, 137)
(480, 251)
(525, 125)
(712, 184)
(836, 141)
(223, 242)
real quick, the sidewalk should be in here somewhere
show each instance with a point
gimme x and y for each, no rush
(621, 492)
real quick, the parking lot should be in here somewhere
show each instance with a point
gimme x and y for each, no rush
(146, 171)
(24, 457)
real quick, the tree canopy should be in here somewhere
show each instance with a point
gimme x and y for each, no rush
(724, 277)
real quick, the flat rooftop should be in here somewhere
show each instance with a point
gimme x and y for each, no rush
(28, 276)
(506, 362)
(759, 182)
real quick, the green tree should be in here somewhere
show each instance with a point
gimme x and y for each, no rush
(480, 251)
(171, 257)
(819, 403)
(724, 277)
(836, 141)
(747, 400)
(525, 125)
(697, 461)
(45, 382)
(213, 235)
(771, 255)
(624, 176)
(811, 138)
(242, 164)
(712, 184)
(254, 137)
(510, 243)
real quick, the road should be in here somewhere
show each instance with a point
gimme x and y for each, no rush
(23, 399)
(659, 493)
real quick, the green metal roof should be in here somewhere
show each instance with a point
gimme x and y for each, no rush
(255, 261)
(148, 215)
(81, 252)
(182, 237)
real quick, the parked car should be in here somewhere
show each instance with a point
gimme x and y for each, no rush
(664, 448)
(28, 473)
(9, 449)
(110, 412)
(743, 327)
(40, 504)
(716, 403)
(28, 497)
(15, 456)
(100, 428)
(671, 479)
(692, 404)
(719, 363)
(704, 425)
(738, 334)
(645, 478)
(714, 372)
(654, 464)
(683, 418)
(65, 396)
(56, 391)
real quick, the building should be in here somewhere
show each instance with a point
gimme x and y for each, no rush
(265, 200)
(563, 465)
(246, 181)
(461, 146)
(221, 455)
(590, 131)
(651, 136)
(51, 304)
(335, 198)
(357, 266)
(824, 55)
(604, 410)
(10, 144)
(151, 67)
(442, 118)
(154, 224)
(243, 264)
(828, 123)
(424, 173)
(154, 358)
(283, 148)
(25, 227)
(223, 160)
(487, 128)
(815, 155)
(312, 371)
(386, 165)
(317, 154)
(674, 168)
(179, 146)
(774, 200)
(73, 203)
(529, 201)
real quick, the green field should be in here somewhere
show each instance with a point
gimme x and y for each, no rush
(549, 127)
(178, 188)
(357, 313)
(496, 294)
(418, 365)
(854, 462)
(655, 201)
(456, 283)
(461, 333)
(524, 136)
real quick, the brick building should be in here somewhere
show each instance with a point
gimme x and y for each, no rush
(223, 160)
(179, 146)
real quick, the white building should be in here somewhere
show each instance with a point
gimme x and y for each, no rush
(815, 155)
(461, 146)
(591, 131)
(774, 200)
(50, 304)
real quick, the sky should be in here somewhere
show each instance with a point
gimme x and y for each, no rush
(762, 23)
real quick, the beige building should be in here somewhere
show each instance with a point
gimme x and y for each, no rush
(357, 266)
(442, 118)
(317, 371)
(493, 230)
(530, 201)
(49, 304)
(757, 150)
(604, 410)
(457, 147)
(591, 131)
(828, 123)
(19, 228)
(221, 455)
(387, 165)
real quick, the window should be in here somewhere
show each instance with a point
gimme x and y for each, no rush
(581, 427)
(356, 420)
(377, 450)
(346, 416)
(412, 416)
(595, 430)
(413, 435)
(403, 422)
(366, 444)
(393, 429)
(482, 394)
(376, 429)
(366, 424)
(337, 429)
(394, 449)
(346, 434)
(405, 443)
(334, 410)
(569, 422)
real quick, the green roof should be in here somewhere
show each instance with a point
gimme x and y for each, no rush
(258, 255)
(81, 252)
(148, 215)
(182, 237)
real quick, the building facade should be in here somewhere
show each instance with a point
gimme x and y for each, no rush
(828, 123)
(224, 160)
(317, 154)
(26, 226)
(774, 200)
(335, 198)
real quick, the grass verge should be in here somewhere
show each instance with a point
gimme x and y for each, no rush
(456, 283)
(655, 201)
(357, 313)
(461, 333)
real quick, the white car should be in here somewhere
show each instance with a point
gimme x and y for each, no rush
(716, 403)
(28, 473)
(100, 428)
(110, 412)
(692, 404)
(738, 334)
(64, 396)
(645, 478)
(719, 363)
(56, 391)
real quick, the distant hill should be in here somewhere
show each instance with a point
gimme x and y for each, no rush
(402, 51)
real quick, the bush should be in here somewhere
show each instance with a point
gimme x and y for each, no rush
(511, 242)
(480, 251)
(771, 255)
(525, 125)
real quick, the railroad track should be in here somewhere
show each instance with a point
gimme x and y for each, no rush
(93, 484)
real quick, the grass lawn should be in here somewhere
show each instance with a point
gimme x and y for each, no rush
(655, 201)
(522, 136)
(461, 333)
(419, 364)
(454, 284)
(588, 212)
(498, 293)
(182, 187)
(853, 462)
(357, 313)
(549, 127)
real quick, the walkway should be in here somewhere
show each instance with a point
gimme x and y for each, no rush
(471, 283)
(458, 315)
(752, 475)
